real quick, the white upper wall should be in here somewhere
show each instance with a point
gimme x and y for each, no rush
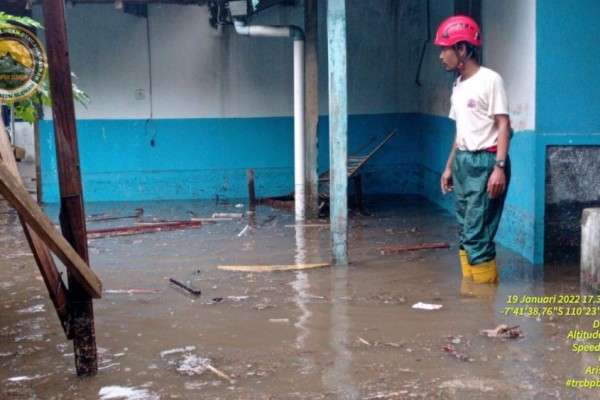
(510, 49)
(108, 53)
(436, 83)
(196, 71)
(199, 72)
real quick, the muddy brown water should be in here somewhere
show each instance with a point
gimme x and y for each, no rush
(330, 333)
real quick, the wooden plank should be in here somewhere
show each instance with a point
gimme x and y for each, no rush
(38, 168)
(413, 247)
(18, 197)
(272, 268)
(72, 213)
(45, 262)
(251, 191)
(152, 227)
(275, 203)
(311, 101)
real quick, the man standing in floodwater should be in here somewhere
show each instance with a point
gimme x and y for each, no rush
(478, 168)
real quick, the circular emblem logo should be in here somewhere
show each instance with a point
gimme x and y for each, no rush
(23, 64)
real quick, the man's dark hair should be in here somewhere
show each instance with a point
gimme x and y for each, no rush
(472, 51)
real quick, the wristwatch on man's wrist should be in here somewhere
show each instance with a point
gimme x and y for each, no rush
(500, 164)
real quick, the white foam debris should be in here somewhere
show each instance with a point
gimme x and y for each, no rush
(193, 365)
(33, 309)
(36, 337)
(109, 366)
(426, 306)
(126, 393)
(17, 255)
(24, 378)
(165, 353)
(238, 298)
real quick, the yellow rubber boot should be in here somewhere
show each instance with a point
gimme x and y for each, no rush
(486, 272)
(464, 264)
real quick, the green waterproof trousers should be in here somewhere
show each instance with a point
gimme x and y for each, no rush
(478, 216)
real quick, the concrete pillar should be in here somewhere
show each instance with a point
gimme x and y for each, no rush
(590, 248)
(338, 129)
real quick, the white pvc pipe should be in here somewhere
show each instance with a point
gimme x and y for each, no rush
(299, 146)
(261, 30)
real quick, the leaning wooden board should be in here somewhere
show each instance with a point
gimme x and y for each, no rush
(54, 284)
(28, 209)
(271, 268)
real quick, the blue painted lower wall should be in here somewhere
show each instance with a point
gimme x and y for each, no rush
(204, 158)
(517, 229)
(522, 226)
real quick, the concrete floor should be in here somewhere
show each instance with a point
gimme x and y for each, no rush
(331, 333)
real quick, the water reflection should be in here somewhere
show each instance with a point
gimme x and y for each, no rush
(301, 286)
(338, 379)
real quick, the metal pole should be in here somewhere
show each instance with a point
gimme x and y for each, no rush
(338, 129)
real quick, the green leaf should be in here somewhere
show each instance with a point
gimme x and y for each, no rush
(7, 19)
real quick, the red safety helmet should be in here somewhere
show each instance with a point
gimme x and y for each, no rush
(458, 28)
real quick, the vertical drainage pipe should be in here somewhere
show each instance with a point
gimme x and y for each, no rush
(297, 35)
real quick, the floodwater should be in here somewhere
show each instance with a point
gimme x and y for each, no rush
(330, 333)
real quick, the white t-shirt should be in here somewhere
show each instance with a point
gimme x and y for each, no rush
(475, 102)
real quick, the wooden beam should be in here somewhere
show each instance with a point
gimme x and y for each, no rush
(413, 247)
(338, 128)
(38, 167)
(251, 191)
(20, 199)
(142, 229)
(271, 268)
(311, 101)
(45, 262)
(72, 214)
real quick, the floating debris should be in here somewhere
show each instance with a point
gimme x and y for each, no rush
(279, 320)
(426, 306)
(132, 291)
(503, 332)
(450, 349)
(33, 309)
(227, 215)
(165, 353)
(244, 231)
(190, 290)
(192, 365)
(412, 247)
(126, 393)
(25, 378)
